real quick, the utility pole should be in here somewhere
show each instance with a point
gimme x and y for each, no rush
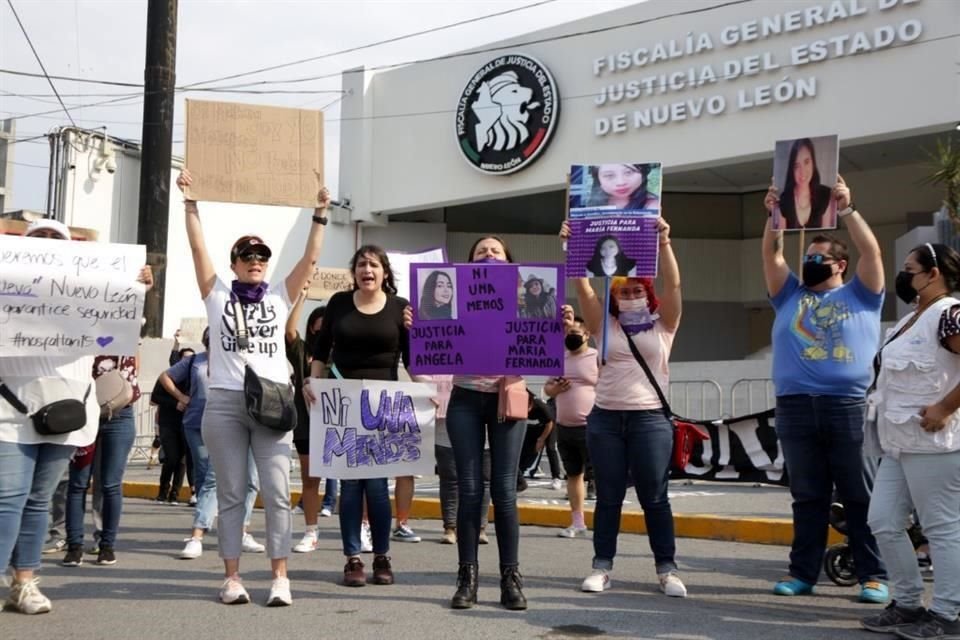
(8, 129)
(158, 102)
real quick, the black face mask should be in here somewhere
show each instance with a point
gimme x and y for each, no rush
(816, 273)
(573, 341)
(904, 287)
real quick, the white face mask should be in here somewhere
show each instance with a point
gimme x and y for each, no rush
(635, 316)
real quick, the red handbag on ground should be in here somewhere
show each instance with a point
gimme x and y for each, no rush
(686, 435)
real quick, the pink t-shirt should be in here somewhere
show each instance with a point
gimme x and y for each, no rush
(623, 385)
(573, 405)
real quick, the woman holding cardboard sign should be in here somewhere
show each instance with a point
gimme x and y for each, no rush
(628, 435)
(236, 353)
(365, 336)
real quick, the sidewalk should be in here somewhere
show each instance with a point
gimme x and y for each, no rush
(707, 510)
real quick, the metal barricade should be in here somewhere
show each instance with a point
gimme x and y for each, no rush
(751, 395)
(696, 399)
(145, 415)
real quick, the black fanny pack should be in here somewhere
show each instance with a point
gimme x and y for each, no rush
(54, 419)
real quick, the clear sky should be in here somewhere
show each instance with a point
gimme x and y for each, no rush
(105, 40)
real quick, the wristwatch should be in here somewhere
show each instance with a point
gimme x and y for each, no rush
(321, 219)
(850, 209)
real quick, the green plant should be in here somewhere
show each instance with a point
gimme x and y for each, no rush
(945, 163)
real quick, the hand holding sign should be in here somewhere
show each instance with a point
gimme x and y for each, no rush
(772, 200)
(323, 194)
(184, 180)
(841, 193)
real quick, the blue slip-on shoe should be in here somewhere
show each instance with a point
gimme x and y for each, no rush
(791, 586)
(874, 592)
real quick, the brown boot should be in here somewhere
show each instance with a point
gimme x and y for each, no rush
(382, 572)
(353, 575)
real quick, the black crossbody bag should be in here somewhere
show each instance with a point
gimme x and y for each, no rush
(54, 419)
(269, 403)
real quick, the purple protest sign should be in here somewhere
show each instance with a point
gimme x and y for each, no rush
(613, 212)
(487, 319)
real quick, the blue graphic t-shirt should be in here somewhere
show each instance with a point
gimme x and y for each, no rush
(824, 342)
(195, 369)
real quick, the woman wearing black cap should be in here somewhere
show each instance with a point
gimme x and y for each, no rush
(228, 430)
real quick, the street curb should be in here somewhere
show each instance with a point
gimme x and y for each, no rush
(778, 531)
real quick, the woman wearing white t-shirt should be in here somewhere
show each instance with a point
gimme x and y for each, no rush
(227, 429)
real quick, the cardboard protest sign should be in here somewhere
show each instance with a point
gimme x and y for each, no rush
(487, 319)
(69, 298)
(371, 429)
(254, 154)
(328, 281)
(804, 172)
(19, 227)
(191, 329)
(613, 211)
(400, 264)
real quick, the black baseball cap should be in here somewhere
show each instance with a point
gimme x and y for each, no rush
(249, 244)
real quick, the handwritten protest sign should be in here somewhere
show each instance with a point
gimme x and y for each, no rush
(487, 319)
(191, 329)
(613, 211)
(254, 154)
(371, 429)
(804, 172)
(400, 264)
(69, 298)
(327, 282)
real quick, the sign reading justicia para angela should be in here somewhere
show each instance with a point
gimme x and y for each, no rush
(507, 114)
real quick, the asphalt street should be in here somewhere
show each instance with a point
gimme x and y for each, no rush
(151, 594)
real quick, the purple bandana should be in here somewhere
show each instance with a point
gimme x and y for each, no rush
(248, 293)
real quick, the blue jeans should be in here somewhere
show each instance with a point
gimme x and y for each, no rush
(114, 441)
(29, 474)
(822, 440)
(206, 480)
(624, 446)
(330, 495)
(351, 514)
(471, 419)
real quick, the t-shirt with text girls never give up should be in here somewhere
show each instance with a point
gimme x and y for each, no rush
(824, 342)
(266, 323)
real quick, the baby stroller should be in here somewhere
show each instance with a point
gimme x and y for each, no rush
(838, 560)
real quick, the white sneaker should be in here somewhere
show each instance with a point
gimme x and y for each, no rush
(557, 484)
(25, 597)
(250, 545)
(193, 549)
(232, 592)
(573, 532)
(672, 585)
(366, 538)
(596, 582)
(280, 593)
(308, 543)
(325, 513)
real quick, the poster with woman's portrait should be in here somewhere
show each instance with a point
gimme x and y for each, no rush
(804, 173)
(537, 292)
(612, 212)
(437, 291)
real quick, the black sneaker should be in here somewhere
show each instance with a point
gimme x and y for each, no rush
(892, 618)
(74, 557)
(931, 627)
(106, 556)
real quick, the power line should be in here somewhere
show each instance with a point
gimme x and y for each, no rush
(39, 61)
(27, 164)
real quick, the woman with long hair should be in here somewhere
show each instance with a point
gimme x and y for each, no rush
(436, 297)
(628, 436)
(228, 430)
(609, 260)
(365, 335)
(538, 301)
(804, 202)
(622, 186)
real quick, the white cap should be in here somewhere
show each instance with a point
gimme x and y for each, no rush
(51, 224)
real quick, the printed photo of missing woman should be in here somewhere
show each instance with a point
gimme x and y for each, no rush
(436, 289)
(537, 292)
(633, 187)
(804, 173)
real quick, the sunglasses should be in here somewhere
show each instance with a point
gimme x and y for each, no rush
(819, 258)
(254, 257)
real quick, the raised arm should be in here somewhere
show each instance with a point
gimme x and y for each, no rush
(590, 307)
(293, 319)
(671, 302)
(206, 274)
(304, 267)
(775, 268)
(870, 264)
